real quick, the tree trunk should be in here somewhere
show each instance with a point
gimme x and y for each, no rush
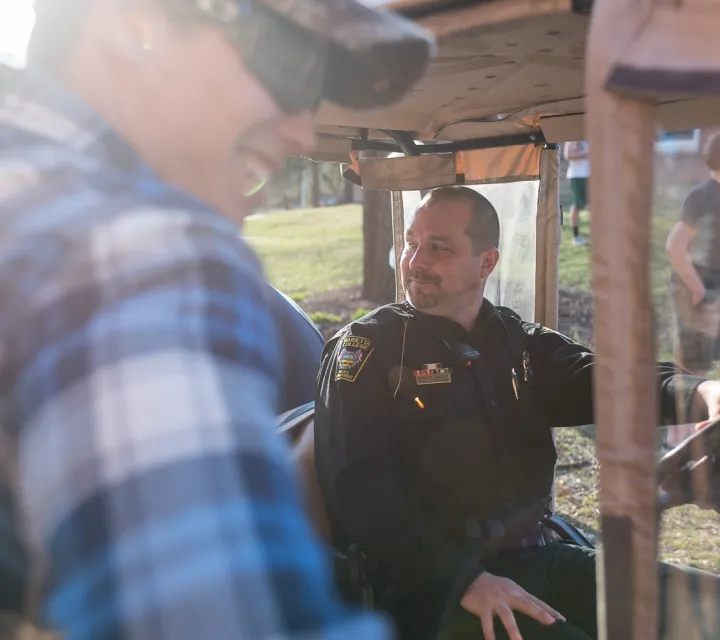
(378, 277)
(315, 166)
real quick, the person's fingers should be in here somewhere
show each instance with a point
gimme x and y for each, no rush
(508, 619)
(355, 162)
(546, 607)
(529, 607)
(487, 618)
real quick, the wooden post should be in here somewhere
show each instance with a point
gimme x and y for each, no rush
(621, 134)
(378, 278)
(547, 242)
(398, 218)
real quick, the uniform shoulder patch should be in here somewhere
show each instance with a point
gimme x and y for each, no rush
(354, 353)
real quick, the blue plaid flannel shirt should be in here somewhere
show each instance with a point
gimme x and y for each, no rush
(141, 473)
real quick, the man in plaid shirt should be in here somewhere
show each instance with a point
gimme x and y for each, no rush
(142, 477)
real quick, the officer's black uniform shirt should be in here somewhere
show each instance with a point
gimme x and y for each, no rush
(421, 427)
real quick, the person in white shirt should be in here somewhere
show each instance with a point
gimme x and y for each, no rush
(577, 154)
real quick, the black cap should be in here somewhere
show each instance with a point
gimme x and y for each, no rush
(353, 55)
(304, 51)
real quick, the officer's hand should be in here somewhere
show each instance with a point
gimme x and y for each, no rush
(707, 400)
(491, 596)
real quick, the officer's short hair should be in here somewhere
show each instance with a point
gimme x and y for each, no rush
(712, 152)
(484, 227)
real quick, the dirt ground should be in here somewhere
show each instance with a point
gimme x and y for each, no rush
(575, 318)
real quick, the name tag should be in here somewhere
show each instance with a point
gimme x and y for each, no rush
(433, 374)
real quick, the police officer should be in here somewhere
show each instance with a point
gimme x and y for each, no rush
(434, 446)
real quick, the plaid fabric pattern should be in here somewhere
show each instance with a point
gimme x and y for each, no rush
(142, 478)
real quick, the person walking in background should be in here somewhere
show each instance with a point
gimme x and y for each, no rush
(694, 255)
(695, 259)
(577, 155)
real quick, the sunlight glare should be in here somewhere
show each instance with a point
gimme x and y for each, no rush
(16, 21)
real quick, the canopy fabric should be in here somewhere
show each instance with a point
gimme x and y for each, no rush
(483, 166)
(518, 66)
(529, 214)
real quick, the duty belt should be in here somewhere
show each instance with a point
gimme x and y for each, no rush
(520, 528)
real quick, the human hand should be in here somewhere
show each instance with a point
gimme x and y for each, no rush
(706, 403)
(489, 596)
(698, 295)
(705, 407)
(355, 162)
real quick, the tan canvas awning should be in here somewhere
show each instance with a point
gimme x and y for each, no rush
(408, 173)
(506, 67)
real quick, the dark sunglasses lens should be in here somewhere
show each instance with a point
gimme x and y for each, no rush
(289, 61)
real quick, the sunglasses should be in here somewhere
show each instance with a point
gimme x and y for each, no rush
(287, 60)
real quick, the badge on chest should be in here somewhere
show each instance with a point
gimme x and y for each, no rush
(433, 374)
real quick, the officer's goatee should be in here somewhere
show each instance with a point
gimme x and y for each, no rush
(422, 299)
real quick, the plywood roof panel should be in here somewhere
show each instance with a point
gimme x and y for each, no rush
(489, 70)
(503, 67)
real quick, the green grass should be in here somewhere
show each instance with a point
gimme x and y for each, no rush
(574, 270)
(320, 318)
(311, 250)
(361, 312)
(688, 535)
(314, 250)
(575, 261)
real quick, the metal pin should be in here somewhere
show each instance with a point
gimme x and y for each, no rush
(419, 403)
(515, 384)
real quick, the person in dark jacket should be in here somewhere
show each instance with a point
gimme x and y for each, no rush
(302, 348)
(301, 340)
(434, 447)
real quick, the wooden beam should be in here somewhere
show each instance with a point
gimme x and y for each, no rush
(621, 133)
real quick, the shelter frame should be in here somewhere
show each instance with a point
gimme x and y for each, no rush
(647, 61)
(640, 53)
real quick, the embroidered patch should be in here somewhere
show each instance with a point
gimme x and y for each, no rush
(433, 374)
(354, 352)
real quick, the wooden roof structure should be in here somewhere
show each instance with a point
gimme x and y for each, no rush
(614, 72)
(510, 68)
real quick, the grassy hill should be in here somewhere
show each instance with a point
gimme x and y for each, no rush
(309, 250)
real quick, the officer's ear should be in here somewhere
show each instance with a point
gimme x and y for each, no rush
(489, 262)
